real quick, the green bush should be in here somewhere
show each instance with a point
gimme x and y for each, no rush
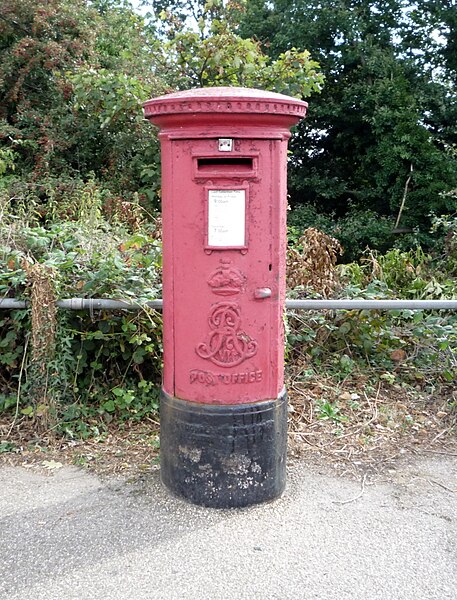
(405, 345)
(416, 347)
(99, 365)
(355, 231)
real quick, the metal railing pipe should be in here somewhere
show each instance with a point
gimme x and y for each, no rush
(86, 304)
(12, 303)
(106, 304)
(360, 304)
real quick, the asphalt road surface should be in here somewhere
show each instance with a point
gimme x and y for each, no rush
(68, 535)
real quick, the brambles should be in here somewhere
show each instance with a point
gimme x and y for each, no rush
(363, 384)
(416, 347)
(77, 371)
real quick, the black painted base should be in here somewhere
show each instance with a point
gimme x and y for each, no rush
(223, 456)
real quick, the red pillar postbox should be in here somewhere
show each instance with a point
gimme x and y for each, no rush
(223, 406)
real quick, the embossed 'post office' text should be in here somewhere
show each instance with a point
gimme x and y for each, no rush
(211, 378)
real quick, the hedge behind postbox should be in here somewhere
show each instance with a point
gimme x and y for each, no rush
(70, 368)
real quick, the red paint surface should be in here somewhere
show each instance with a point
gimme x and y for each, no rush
(222, 345)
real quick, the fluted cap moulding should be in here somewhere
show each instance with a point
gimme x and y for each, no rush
(214, 106)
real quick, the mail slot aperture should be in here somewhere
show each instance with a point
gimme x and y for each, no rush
(225, 166)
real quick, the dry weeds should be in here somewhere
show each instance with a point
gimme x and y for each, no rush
(368, 428)
(372, 428)
(314, 267)
(126, 450)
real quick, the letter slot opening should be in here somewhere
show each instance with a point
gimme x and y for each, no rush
(233, 165)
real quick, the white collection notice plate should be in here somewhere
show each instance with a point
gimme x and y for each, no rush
(226, 218)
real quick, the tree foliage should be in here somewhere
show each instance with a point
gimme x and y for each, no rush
(73, 77)
(204, 49)
(380, 134)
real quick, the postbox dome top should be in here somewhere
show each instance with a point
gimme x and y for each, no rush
(230, 100)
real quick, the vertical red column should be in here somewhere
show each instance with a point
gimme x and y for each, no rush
(223, 403)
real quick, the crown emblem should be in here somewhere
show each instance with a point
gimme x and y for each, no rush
(226, 280)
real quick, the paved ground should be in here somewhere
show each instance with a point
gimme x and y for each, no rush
(68, 535)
